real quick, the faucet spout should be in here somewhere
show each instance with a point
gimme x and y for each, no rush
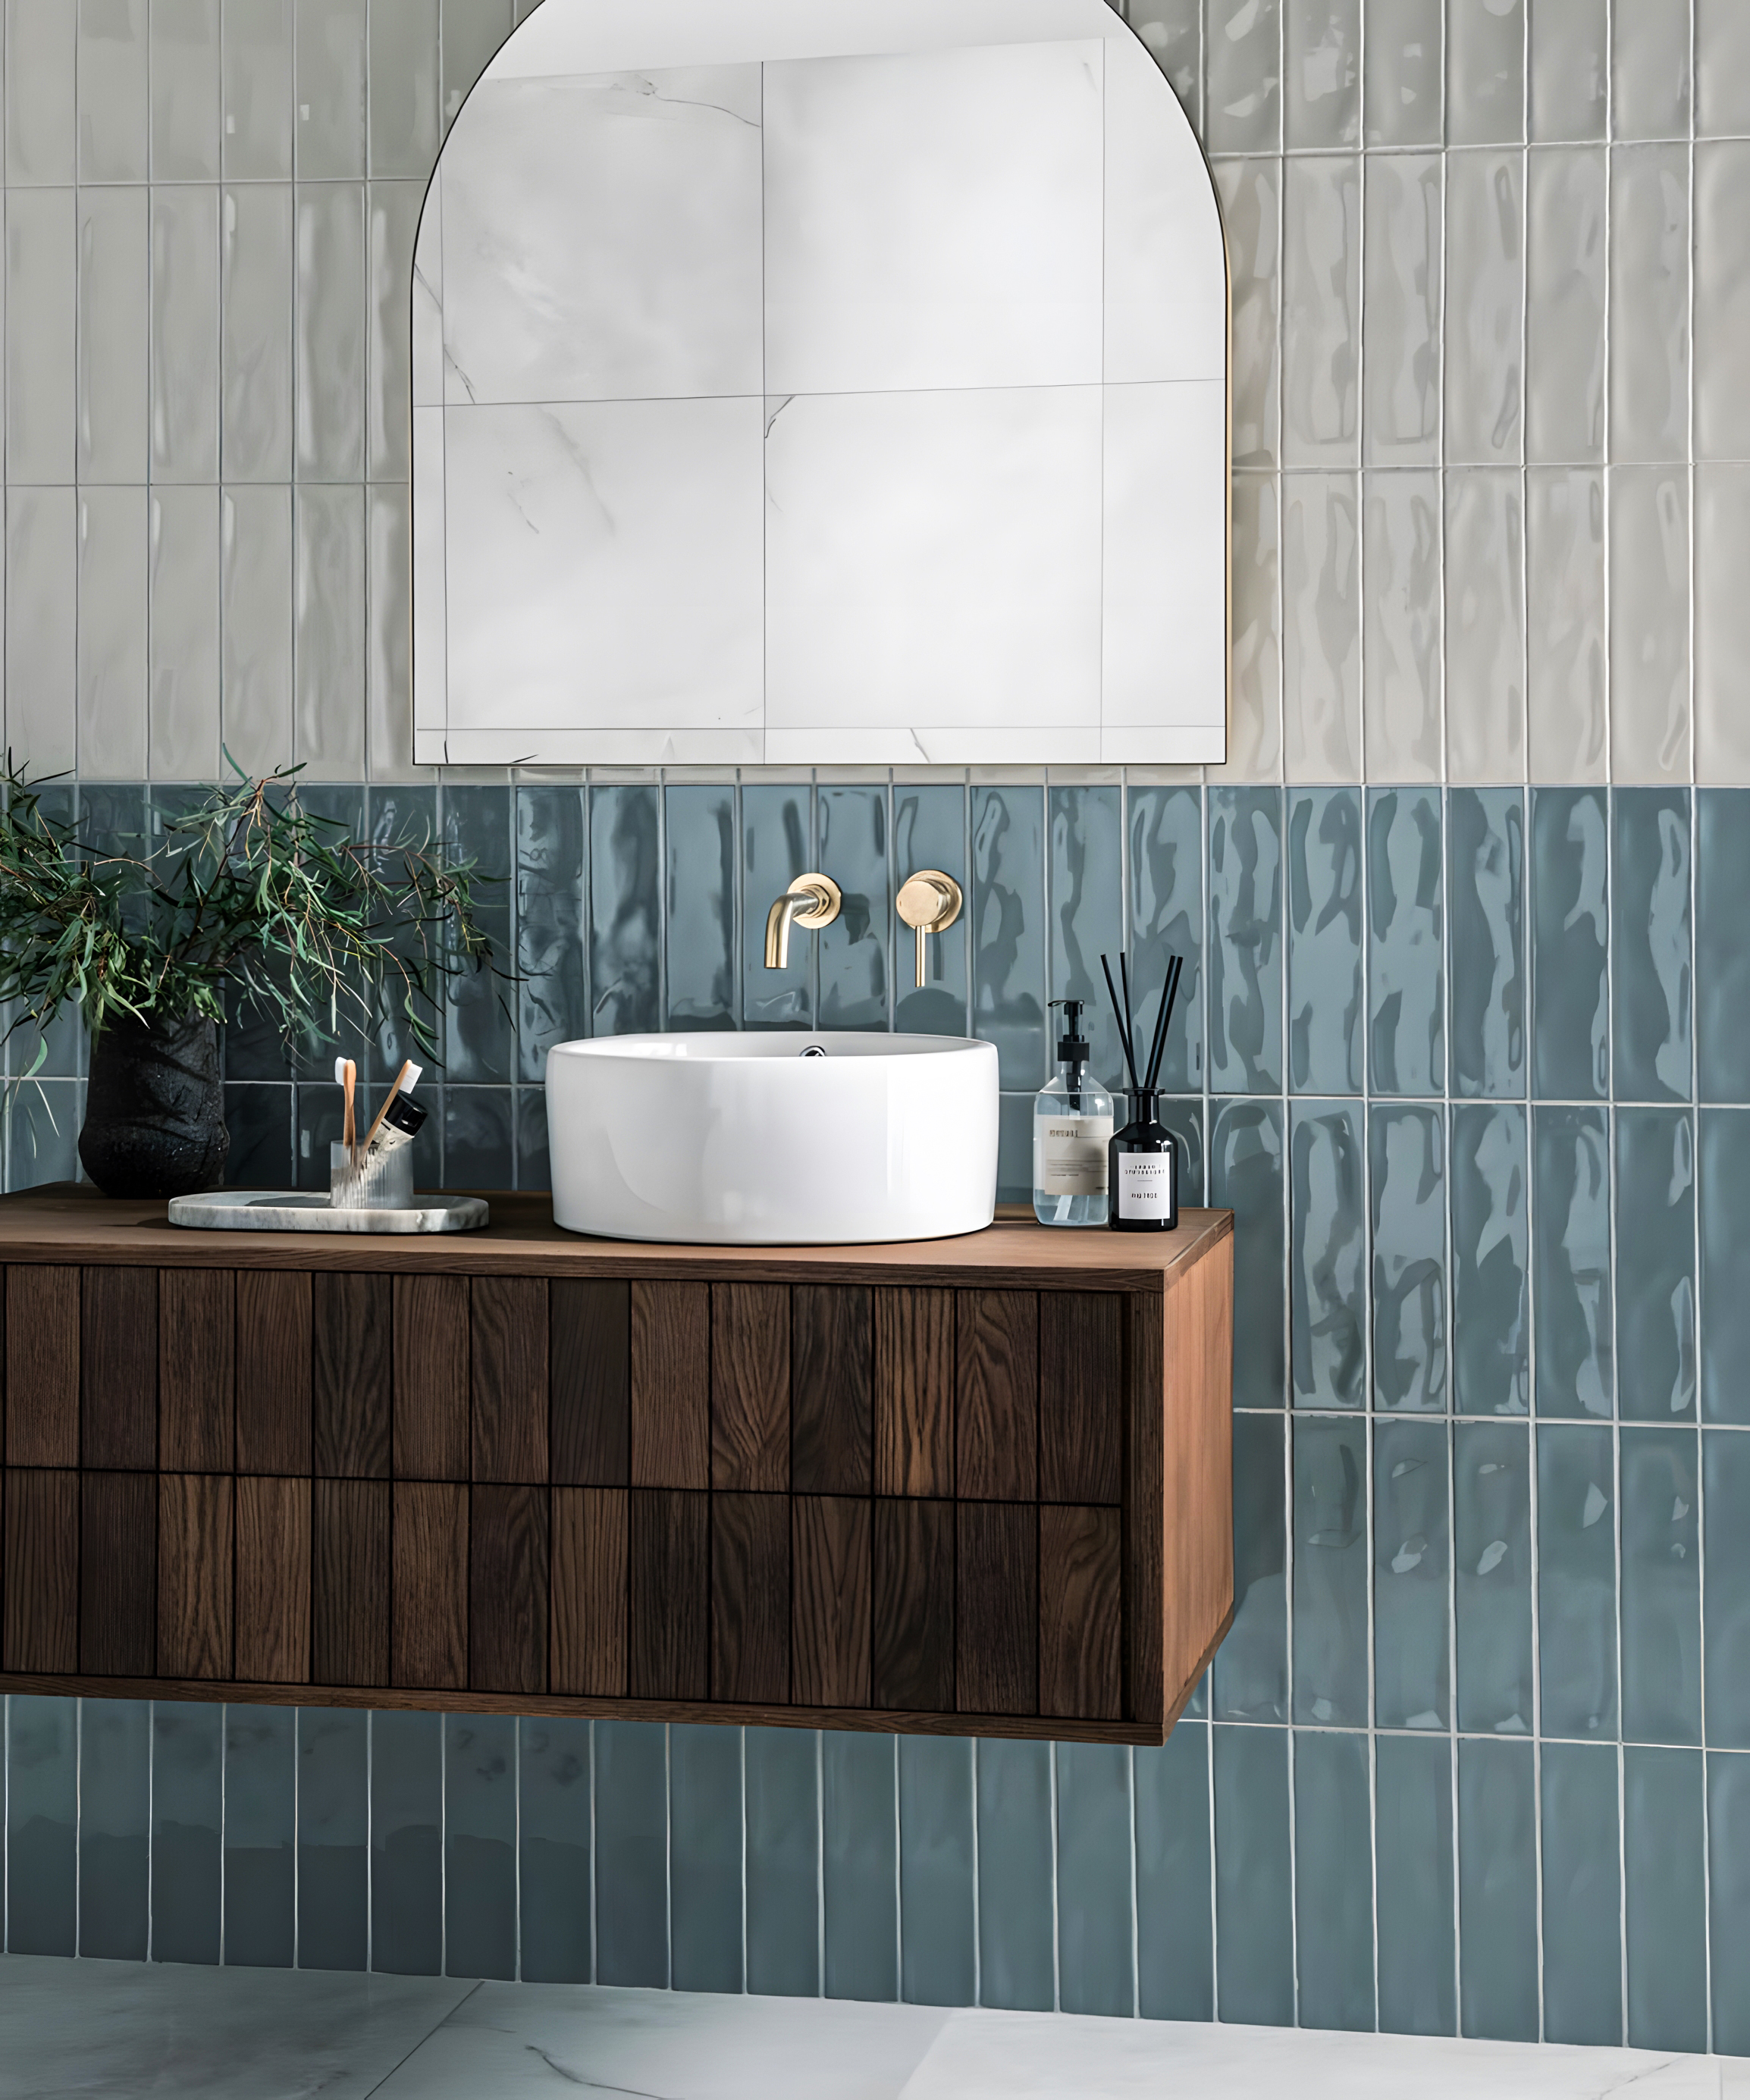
(811, 900)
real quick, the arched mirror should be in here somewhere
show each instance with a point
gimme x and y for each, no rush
(821, 382)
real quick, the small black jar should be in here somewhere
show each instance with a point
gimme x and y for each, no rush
(1142, 1170)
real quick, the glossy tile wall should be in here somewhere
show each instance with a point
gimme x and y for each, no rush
(1465, 1046)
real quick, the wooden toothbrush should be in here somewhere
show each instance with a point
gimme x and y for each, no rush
(347, 1073)
(405, 1080)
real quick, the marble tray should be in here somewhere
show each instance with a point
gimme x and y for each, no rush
(299, 1211)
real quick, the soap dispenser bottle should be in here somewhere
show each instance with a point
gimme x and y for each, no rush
(1072, 1130)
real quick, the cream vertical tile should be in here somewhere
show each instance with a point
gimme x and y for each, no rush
(1650, 69)
(1564, 300)
(255, 613)
(112, 633)
(1321, 599)
(1570, 69)
(183, 626)
(1485, 295)
(110, 67)
(1404, 68)
(185, 98)
(255, 290)
(1321, 79)
(41, 629)
(111, 398)
(329, 383)
(1485, 71)
(1485, 627)
(388, 674)
(1722, 68)
(427, 330)
(1401, 310)
(1722, 300)
(41, 334)
(403, 129)
(1254, 739)
(1243, 76)
(1650, 585)
(328, 632)
(185, 332)
(1650, 298)
(1321, 310)
(1172, 30)
(394, 220)
(330, 91)
(471, 30)
(1251, 194)
(1565, 622)
(1401, 627)
(428, 674)
(256, 90)
(1722, 625)
(41, 132)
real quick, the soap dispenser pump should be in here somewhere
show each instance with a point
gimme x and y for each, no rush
(1072, 1131)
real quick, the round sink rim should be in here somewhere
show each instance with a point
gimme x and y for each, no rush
(745, 1047)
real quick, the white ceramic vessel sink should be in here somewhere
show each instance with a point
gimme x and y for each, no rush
(764, 1139)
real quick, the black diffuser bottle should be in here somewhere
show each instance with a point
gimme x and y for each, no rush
(1142, 1173)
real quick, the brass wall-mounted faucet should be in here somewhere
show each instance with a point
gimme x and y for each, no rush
(929, 901)
(811, 900)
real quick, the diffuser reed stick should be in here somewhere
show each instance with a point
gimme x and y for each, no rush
(1121, 1014)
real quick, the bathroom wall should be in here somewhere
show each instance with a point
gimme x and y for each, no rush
(1466, 1046)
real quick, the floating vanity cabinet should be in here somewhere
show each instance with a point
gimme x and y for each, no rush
(978, 1485)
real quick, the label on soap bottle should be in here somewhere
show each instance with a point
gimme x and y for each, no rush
(1071, 1155)
(1145, 1184)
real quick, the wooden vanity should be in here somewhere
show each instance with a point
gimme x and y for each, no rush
(978, 1486)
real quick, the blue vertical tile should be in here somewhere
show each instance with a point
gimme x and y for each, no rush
(1485, 927)
(480, 1142)
(1571, 1262)
(407, 1860)
(342, 807)
(631, 1853)
(1251, 1664)
(1582, 1894)
(938, 1935)
(704, 1857)
(1722, 956)
(1166, 916)
(481, 1021)
(43, 1121)
(859, 1856)
(1328, 1254)
(552, 1000)
(259, 1122)
(1570, 1051)
(555, 1843)
(1333, 1879)
(1576, 1581)
(42, 1810)
(1087, 878)
(1655, 1263)
(1406, 998)
(1254, 1935)
(1661, 1587)
(1490, 1258)
(625, 906)
(929, 831)
(1324, 940)
(1015, 1959)
(1175, 1919)
(1729, 1898)
(317, 1114)
(1407, 1150)
(1497, 1885)
(1651, 966)
(1184, 1119)
(115, 1813)
(1096, 1943)
(777, 846)
(1725, 1488)
(261, 1782)
(1246, 1171)
(856, 950)
(1245, 940)
(333, 1838)
(1413, 1844)
(1007, 907)
(398, 816)
(1014, 1149)
(1665, 1849)
(1724, 1175)
(534, 1168)
(1413, 1570)
(63, 1041)
(480, 1845)
(188, 1801)
(1492, 1559)
(782, 1862)
(1330, 1512)
(700, 902)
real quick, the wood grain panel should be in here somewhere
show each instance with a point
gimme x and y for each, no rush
(830, 1601)
(914, 1391)
(508, 1333)
(1081, 1395)
(912, 1636)
(119, 1368)
(42, 1365)
(195, 1561)
(750, 1386)
(997, 1625)
(274, 1333)
(668, 1650)
(1080, 1612)
(352, 1328)
(196, 1340)
(997, 1351)
(273, 1580)
(832, 1388)
(590, 1353)
(350, 1580)
(429, 1630)
(750, 1597)
(39, 1628)
(118, 1572)
(587, 1617)
(671, 1385)
(431, 1378)
(508, 1574)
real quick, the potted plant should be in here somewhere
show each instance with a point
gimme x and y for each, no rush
(249, 900)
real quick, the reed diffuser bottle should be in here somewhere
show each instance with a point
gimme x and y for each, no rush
(1143, 1159)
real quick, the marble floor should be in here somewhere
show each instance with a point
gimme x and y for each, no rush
(97, 2029)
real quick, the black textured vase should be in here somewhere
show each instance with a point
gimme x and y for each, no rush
(155, 1109)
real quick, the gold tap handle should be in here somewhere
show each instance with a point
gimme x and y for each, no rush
(930, 903)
